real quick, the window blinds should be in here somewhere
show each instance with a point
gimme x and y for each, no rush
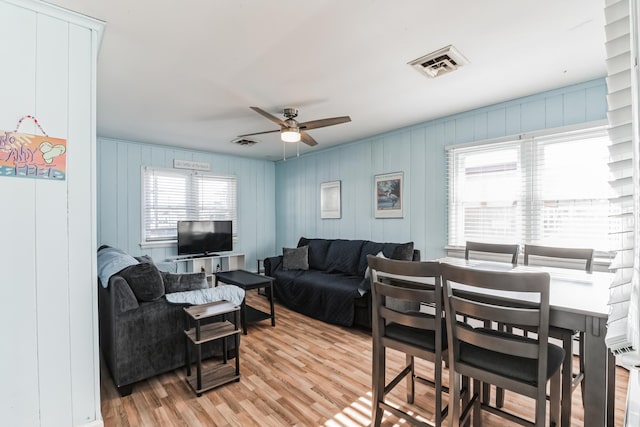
(622, 328)
(171, 195)
(532, 190)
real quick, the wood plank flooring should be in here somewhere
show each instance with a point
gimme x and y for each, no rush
(303, 372)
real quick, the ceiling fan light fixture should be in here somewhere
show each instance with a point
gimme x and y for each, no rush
(290, 135)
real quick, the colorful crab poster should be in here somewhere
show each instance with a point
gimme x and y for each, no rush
(32, 156)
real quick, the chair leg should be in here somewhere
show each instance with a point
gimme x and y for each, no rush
(485, 394)
(554, 404)
(477, 409)
(378, 375)
(410, 379)
(567, 380)
(437, 376)
(581, 359)
(466, 397)
(499, 397)
(454, 399)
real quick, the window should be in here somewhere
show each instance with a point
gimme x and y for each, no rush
(171, 195)
(550, 190)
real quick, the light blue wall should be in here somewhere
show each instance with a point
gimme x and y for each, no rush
(419, 152)
(119, 196)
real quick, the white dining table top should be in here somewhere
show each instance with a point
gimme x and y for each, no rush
(571, 290)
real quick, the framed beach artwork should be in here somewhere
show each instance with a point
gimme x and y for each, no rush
(388, 195)
(330, 206)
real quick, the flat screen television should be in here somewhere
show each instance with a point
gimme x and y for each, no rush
(204, 237)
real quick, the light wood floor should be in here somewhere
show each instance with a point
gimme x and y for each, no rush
(303, 372)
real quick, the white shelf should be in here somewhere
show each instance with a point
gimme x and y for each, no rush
(210, 264)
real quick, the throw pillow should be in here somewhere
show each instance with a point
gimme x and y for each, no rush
(183, 282)
(367, 273)
(168, 266)
(144, 258)
(295, 258)
(401, 251)
(145, 281)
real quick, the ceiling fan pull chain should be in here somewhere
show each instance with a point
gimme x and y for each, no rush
(284, 152)
(298, 149)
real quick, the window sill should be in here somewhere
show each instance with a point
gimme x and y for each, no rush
(160, 244)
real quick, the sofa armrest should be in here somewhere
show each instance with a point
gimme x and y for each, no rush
(271, 264)
(122, 297)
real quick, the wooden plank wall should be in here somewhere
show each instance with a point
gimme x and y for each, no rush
(48, 321)
(120, 196)
(419, 152)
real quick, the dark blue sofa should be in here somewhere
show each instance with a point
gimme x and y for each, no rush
(335, 288)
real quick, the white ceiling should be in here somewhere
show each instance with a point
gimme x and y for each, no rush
(184, 73)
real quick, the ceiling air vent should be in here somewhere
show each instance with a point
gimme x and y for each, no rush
(245, 142)
(440, 62)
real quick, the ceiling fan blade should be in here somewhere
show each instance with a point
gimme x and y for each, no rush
(314, 124)
(259, 133)
(307, 139)
(269, 116)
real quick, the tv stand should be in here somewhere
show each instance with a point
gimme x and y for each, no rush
(209, 264)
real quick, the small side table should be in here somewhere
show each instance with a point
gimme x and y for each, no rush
(220, 374)
(247, 281)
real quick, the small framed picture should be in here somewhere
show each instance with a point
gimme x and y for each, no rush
(330, 206)
(388, 195)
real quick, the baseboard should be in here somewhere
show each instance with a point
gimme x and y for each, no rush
(94, 423)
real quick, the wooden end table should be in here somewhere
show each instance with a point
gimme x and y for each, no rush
(247, 281)
(220, 374)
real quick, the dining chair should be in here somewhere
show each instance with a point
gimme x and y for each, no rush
(541, 254)
(490, 355)
(493, 248)
(413, 332)
(512, 250)
(544, 255)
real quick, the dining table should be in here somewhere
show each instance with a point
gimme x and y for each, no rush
(578, 301)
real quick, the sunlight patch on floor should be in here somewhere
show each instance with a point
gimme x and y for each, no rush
(358, 414)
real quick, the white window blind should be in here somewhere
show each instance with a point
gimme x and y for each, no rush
(622, 328)
(171, 195)
(550, 190)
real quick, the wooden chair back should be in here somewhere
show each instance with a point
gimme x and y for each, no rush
(545, 252)
(396, 284)
(494, 248)
(498, 297)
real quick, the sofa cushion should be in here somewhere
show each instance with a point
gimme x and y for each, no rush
(183, 282)
(401, 251)
(318, 249)
(145, 281)
(368, 248)
(295, 258)
(344, 256)
(318, 294)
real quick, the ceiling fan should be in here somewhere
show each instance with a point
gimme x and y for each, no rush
(292, 131)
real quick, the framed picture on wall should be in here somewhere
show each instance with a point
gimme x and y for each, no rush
(330, 204)
(388, 195)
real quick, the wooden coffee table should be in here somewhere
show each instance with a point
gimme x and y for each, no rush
(247, 281)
